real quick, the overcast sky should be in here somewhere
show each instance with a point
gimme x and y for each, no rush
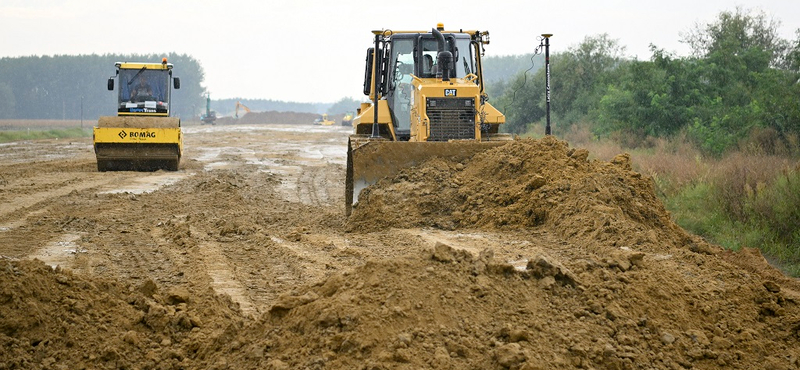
(313, 50)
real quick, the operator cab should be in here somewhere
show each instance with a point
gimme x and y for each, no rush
(144, 88)
(417, 55)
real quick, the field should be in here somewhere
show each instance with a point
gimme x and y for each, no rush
(45, 124)
(530, 256)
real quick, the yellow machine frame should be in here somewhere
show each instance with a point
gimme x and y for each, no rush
(470, 85)
(142, 136)
(444, 114)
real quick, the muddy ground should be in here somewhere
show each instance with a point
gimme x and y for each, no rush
(531, 256)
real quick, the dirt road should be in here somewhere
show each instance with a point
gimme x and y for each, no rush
(243, 259)
(56, 207)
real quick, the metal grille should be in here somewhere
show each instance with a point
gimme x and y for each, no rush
(451, 118)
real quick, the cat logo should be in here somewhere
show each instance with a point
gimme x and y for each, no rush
(449, 92)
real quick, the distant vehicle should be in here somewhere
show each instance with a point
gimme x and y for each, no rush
(210, 116)
(323, 121)
(347, 120)
(240, 105)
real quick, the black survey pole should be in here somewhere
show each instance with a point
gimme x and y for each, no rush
(376, 76)
(547, 77)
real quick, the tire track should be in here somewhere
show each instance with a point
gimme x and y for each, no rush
(223, 277)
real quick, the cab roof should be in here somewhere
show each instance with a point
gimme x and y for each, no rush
(140, 65)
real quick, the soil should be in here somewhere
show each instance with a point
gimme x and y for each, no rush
(526, 256)
(275, 117)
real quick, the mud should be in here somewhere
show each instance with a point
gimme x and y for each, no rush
(275, 117)
(527, 256)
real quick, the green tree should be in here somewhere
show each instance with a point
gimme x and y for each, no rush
(523, 101)
(793, 54)
(578, 81)
(739, 33)
(74, 86)
(497, 70)
(746, 72)
(581, 75)
(7, 101)
(650, 98)
(735, 83)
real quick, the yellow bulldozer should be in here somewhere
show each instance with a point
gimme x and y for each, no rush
(142, 136)
(347, 119)
(427, 99)
(323, 121)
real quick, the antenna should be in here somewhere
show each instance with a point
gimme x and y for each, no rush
(547, 77)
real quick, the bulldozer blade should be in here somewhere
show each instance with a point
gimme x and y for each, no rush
(370, 160)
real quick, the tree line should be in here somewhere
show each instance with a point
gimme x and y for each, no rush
(71, 87)
(74, 86)
(740, 83)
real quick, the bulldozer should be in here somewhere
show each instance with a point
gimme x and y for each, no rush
(427, 99)
(347, 119)
(142, 136)
(323, 121)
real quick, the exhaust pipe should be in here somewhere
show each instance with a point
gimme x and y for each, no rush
(444, 58)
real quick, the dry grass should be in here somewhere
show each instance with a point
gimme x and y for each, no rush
(738, 178)
(750, 197)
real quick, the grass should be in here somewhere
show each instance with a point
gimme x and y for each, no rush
(34, 134)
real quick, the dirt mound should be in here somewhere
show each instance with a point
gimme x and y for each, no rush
(58, 320)
(449, 309)
(523, 184)
(537, 259)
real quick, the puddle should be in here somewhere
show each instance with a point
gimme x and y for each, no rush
(286, 158)
(147, 184)
(276, 159)
(59, 252)
(217, 165)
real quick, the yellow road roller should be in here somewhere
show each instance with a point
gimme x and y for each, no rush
(142, 136)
